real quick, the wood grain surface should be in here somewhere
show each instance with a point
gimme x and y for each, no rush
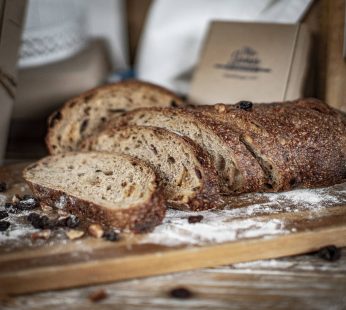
(298, 282)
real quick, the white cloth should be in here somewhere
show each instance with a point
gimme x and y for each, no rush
(174, 33)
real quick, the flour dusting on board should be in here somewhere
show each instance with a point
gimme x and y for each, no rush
(246, 216)
(215, 227)
(249, 221)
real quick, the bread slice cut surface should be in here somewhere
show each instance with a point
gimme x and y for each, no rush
(111, 189)
(83, 115)
(238, 170)
(186, 171)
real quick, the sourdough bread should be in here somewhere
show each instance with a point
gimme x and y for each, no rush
(186, 172)
(111, 189)
(238, 170)
(83, 115)
(299, 144)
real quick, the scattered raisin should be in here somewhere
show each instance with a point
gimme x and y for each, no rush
(3, 186)
(28, 202)
(111, 235)
(11, 208)
(33, 217)
(195, 219)
(181, 293)
(4, 225)
(245, 105)
(40, 222)
(3, 214)
(72, 221)
(98, 295)
(62, 222)
(329, 253)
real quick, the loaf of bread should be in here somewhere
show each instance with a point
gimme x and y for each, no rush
(298, 144)
(184, 156)
(238, 170)
(186, 171)
(115, 190)
(83, 115)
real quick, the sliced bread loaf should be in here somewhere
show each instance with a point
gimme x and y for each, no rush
(186, 172)
(238, 170)
(299, 144)
(82, 115)
(112, 189)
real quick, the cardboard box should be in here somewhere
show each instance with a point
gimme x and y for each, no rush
(252, 61)
(11, 25)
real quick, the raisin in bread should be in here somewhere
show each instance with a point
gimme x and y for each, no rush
(299, 144)
(238, 170)
(83, 115)
(112, 189)
(186, 172)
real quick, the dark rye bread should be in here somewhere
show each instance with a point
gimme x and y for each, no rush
(238, 170)
(186, 171)
(299, 144)
(111, 189)
(83, 115)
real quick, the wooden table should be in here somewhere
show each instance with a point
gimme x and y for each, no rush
(300, 282)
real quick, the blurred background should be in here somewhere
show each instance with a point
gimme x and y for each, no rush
(68, 46)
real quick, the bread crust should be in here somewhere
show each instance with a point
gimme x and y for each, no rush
(139, 218)
(56, 118)
(208, 195)
(303, 139)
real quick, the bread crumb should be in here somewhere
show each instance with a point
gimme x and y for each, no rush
(73, 234)
(42, 234)
(220, 107)
(63, 213)
(95, 230)
(15, 199)
(46, 208)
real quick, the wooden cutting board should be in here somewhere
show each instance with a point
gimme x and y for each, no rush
(251, 227)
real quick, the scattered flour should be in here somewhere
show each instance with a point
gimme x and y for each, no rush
(306, 196)
(216, 227)
(19, 228)
(2, 199)
(246, 216)
(232, 223)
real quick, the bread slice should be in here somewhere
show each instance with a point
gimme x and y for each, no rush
(238, 170)
(299, 143)
(112, 189)
(82, 115)
(186, 172)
